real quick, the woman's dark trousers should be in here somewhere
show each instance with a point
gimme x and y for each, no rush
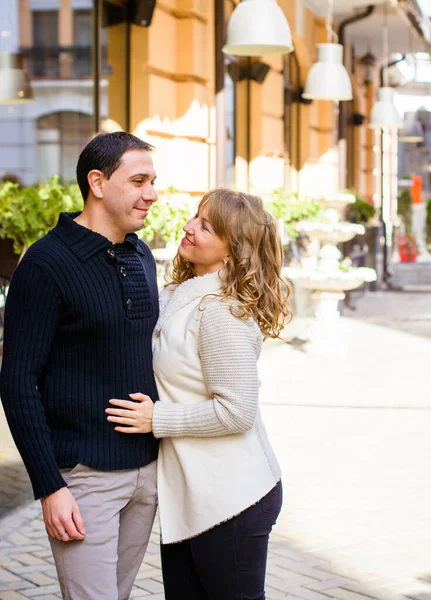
(227, 562)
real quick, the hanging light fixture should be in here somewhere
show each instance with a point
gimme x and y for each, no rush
(412, 133)
(258, 27)
(328, 78)
(15, 85)
(384, 114)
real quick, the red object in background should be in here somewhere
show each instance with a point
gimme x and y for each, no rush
(408, 249)
(416, 189)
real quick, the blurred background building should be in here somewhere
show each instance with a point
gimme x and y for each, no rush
(156, 68)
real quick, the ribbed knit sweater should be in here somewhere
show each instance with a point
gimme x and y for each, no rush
(215, 459)
(79, 317)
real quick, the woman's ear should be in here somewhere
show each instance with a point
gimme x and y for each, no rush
(95, 180)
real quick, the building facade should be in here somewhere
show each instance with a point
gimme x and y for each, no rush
(214, 120)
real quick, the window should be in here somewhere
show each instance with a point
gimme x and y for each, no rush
(82, 36)
(60, 139)
(45, 28)
(43, 60)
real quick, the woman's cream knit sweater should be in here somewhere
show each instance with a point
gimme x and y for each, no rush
(215, 459)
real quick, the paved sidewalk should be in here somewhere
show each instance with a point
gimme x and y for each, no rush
(27, 569)
(350, 418)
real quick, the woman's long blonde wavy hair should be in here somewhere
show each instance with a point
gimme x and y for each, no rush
(252, 276)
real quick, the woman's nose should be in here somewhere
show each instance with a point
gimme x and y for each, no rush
(188, 227)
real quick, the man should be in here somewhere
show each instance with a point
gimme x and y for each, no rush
(80, 313)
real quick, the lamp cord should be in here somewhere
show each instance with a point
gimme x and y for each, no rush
(329, 21)
(385, 44)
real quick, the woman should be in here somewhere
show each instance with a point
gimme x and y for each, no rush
(218, 479)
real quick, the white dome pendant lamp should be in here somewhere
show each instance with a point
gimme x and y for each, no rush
(258, 27)
(384, 114)
(328, 78)
(413, 132)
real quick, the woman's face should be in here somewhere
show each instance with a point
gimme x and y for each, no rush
(202, 246)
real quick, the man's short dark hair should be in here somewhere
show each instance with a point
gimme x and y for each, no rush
(104, 153)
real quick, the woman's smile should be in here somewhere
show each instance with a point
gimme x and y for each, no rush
(186, 242)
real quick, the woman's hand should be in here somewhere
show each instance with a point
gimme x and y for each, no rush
(135, 418)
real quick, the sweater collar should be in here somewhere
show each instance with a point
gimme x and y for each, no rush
(175, 297)
(86, 242)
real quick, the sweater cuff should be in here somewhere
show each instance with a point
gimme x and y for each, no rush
(162, 420)
(50, 484)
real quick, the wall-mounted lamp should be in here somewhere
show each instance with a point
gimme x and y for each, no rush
(369, 62)
(356, 119)
(255, 71)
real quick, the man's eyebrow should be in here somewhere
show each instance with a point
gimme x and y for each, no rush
(144, 176)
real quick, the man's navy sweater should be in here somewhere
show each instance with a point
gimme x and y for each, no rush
(79, 319)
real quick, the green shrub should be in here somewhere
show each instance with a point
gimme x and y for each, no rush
(359, 211)
(405, 209)
(167, 217)
(428, 221)
(28, 213)
(290, 208)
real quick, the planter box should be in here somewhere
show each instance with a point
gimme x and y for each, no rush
(8, 258)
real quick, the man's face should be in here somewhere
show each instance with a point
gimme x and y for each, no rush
(129, 193)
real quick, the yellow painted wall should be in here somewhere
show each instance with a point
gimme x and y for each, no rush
(173, 91)
(172, 102)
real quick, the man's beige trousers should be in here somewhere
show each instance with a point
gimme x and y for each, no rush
(118, 508)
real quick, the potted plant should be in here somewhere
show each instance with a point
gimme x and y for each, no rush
(28, 213)
(407, 244)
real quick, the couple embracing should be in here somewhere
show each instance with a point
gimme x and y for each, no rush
(120, 401)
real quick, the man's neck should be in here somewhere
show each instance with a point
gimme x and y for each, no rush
(100, 224)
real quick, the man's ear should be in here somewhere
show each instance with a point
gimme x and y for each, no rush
(95, 180)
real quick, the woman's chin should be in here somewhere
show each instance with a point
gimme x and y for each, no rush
(182, 251)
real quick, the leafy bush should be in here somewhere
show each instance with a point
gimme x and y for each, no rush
(405, 209)
(428, 222)
(167, 217)
(28, 213)
(359, 211)
(290, 208)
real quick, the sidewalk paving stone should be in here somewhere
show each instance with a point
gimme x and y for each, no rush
(355, 451)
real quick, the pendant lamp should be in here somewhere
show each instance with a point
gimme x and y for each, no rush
(258, 27)
(328, 78)
(15, 85)
(412, 133)
(384, 113)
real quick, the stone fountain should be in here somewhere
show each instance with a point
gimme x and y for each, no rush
(323, 276)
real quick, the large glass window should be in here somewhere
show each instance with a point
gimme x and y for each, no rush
(60, 138)
(43, 58)
(44, 138)
(82, 35)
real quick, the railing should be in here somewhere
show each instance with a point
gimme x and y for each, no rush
(62, 62)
